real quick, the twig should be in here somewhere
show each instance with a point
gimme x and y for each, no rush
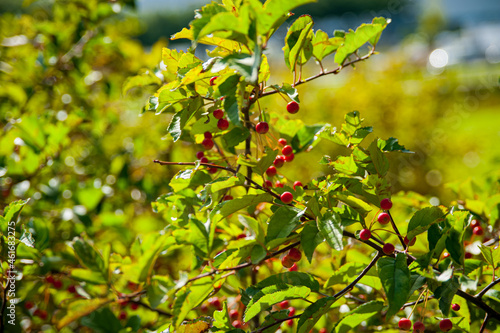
(417, 302)
(397, 231)
(488, 287)
(360, 276)
(278, 321)
(147, 306)
(485, 322)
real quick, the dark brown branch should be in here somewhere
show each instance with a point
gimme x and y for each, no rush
(147, 306)
(278, 321)
(397, 231)
(418, 302)
(485, 322)
(480, 304)
(360, 276)
(488, 287)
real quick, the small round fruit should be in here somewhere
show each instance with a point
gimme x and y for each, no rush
(445, 325)
(474, 223)
(240, 236)
(292, 107)
(134, 306)
(29, 305)
(212, 79)
(204, 160)
(418, 327)
(278, 184)
(295, 254)
(268, 184)
(284, 304)
(200, 154)
(204, 308)
(207, 135)
(42, 314)
(386, 204)
(291, 311)
(57, 284)
(218, 114)
(279, 161)
(271, 171)
(237, 324)
(289, 158)
(223, 124)
(365, 234)
(468, 255)
(287, 262)
(234, 314)
(294, 268)
(287, 150)
(404, 324)
(49, 279)
(282, 141)
(262, 127)
(289, 322)
(212, 170)
(286, 197)
(215, 302)
(455, 307)
(122, 315)
(446, 255)
(383, 218)
(478, 231)
(322, 330)
(297, 183)
(388, 248)
(228, 197)
(408, 242)
(71, 289)
(207, 144)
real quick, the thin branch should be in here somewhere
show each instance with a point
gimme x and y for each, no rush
(485, 322)
(417, 302)
(360, 276)
(480, 304)
(488, 287)
(397, 231)
(278, 321)
(147, 306)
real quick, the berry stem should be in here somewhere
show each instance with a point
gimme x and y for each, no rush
(397, 231)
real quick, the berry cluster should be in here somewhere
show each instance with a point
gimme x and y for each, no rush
(291, 258)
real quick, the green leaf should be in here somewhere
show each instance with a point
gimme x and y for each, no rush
(487, 254)
(354, 318)
(330, 226)
(445, 294)
(348, 215)
(223, 183)
(146, 79)
(454, 241)
(290, 278)
(102, 320)
(80, 308)
(305, 137)
(235, 136)
(12, 211)
(272, 295)
(313, 313)
(228, 89)
(221, 319)
(86, 275)
(345, 274)
(247, 65)
(229, 207)
(345, 164)
(203, 17)
(275, 11)
(189, 298)
(362, 207)
(310, 238)
(380, 162)
(266, 160)
(395, 277)
(287, 89)
(355, 39)
(258, 254)
(298, 47)
(392, 144)
(422, 220)
(283, 222)
(271, 318)
(323, 46)
(180, 119)
(89, 257)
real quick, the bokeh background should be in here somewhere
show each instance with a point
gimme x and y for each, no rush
(80, 148)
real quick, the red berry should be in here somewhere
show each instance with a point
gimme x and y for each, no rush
(207, 135)
(388, 248)
(294, 254)
(240, 236)
(291, 311)
(386, 204)
(204, 160)
(262, 127)
(446, 255)
(49, 279)
(286, 197)
(212, 170)
(478, 231)
(223, 124)
(455, 307)
(297, 183)
(289, 158)
(322, 330)
(445, 325)
(212, 79)
(410, 243)
(200, 154)
(271, 171)
(42, 314)
(279, 161)
(404, 324)
(134, 306)
(207, 144)
(204, 308)
(474, 223)
(29, 305)
(237, 324)
(71, 289)
(287, 150)
(57, 284)
(278, 184)
(282, 142)
(292, 107)
(287, 262)
(218, 114)
(284, 304)
(268, 184)
(289, 322)
(418, 327)
(365, 234)
(233, 314)
(468, 255)
(383, 218)
(215, 302)
(228, 197)
(294, 268)
(122, 315)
